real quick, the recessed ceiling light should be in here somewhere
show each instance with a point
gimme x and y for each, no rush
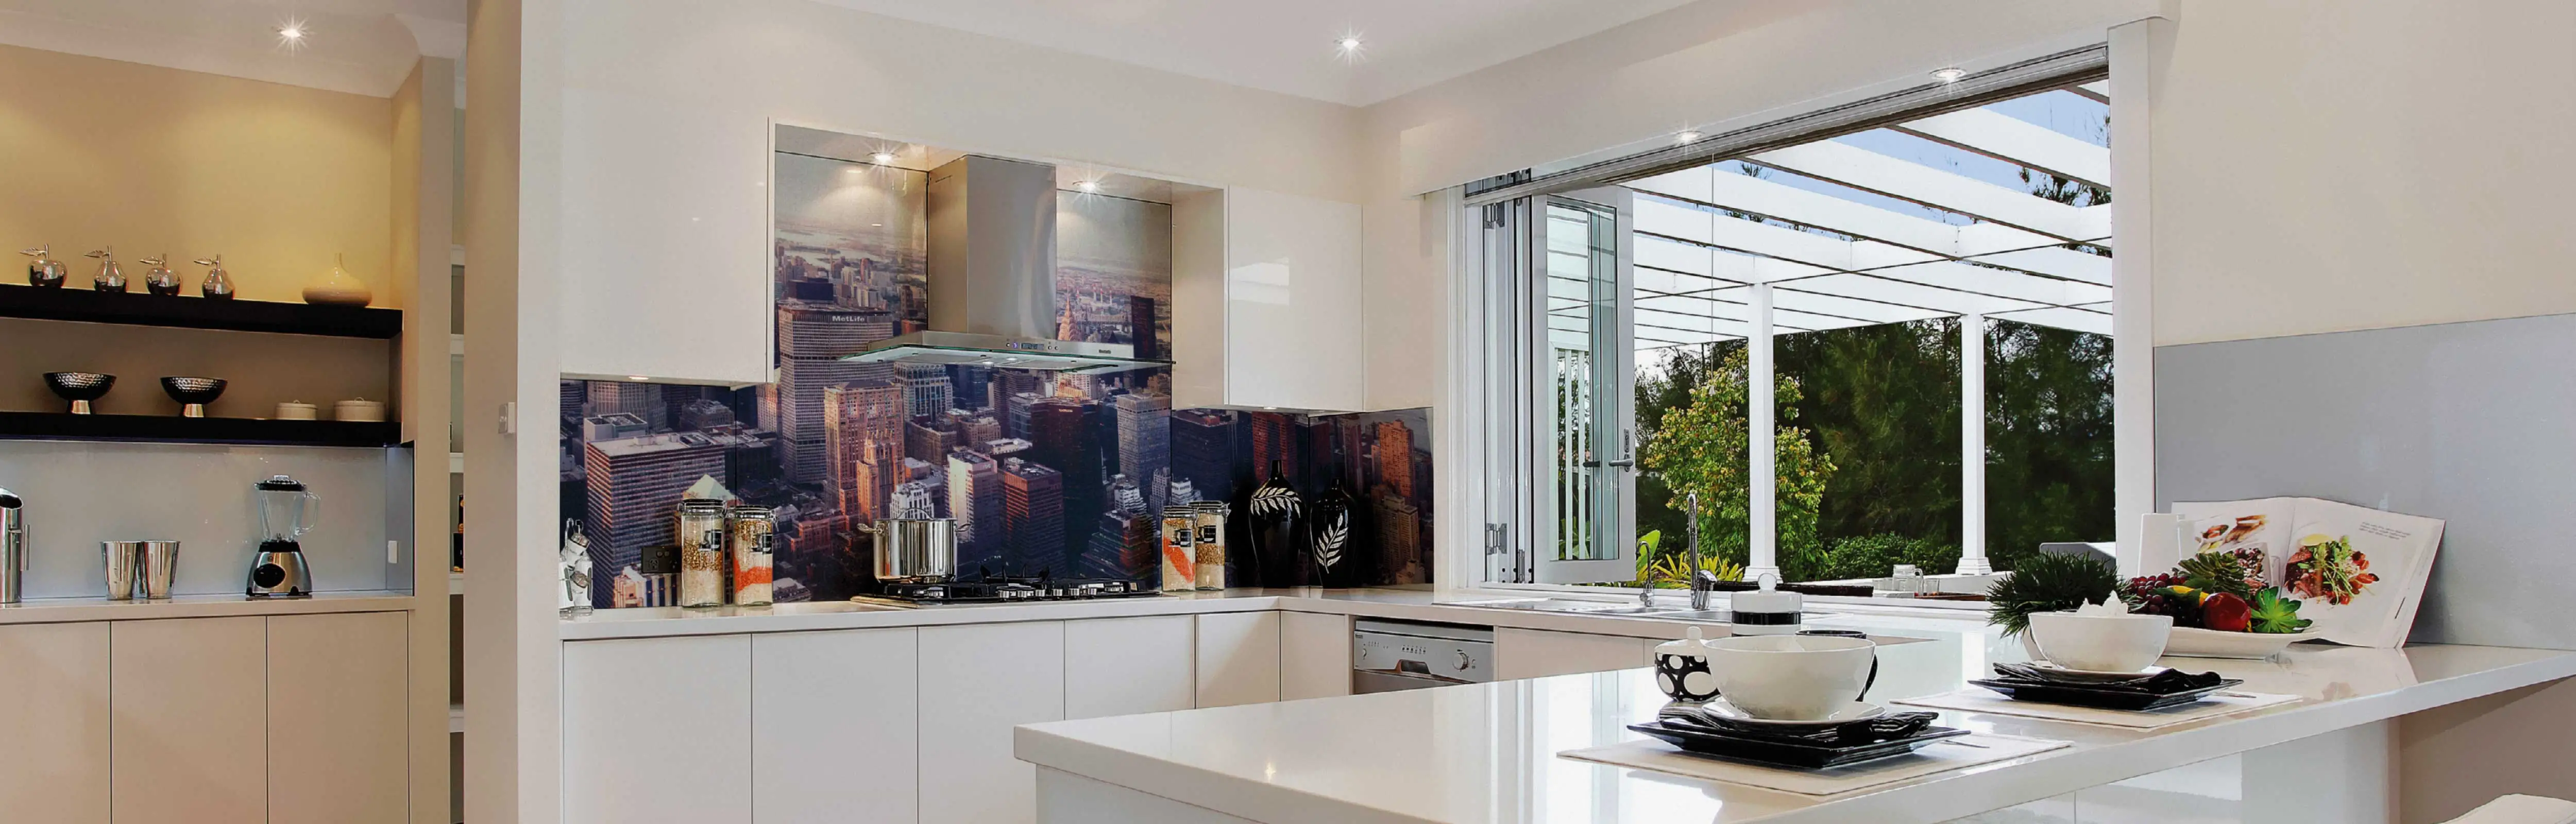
(1349, 46)
(883, 158)
(1088, 187)
(637, 378)
(1687, 136)
(290, 34)
(1949, 75)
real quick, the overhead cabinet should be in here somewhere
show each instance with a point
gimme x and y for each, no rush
(1266, 302)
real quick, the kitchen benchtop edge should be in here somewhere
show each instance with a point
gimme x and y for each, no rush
(1398, 604)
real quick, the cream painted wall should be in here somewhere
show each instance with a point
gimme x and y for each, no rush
(275, 178)
(2325, 166)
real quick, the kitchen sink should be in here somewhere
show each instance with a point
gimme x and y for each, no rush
(1568, 605)
(1581, 607)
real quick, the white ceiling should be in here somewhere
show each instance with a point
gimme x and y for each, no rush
(1286, 45)
(359, 46)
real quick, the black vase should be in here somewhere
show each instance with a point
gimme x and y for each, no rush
(1276, 515)
(1331, 544)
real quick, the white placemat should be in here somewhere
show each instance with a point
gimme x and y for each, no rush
(1939, 756)
(1980, 699)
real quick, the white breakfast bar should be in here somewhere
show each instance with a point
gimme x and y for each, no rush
(1489, 752)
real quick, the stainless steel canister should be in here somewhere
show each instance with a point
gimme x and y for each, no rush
(123, 558)
(160, 568)
(13, 548)
(914, 549)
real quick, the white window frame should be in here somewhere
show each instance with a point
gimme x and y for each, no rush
(1485, 563)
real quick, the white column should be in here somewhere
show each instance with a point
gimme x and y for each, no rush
(1760, 439)
(1972, 446)
(2140, 51)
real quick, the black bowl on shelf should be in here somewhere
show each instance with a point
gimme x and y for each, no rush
(193, 394)
(79, 387)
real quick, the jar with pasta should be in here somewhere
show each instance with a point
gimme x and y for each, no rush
(754, 529)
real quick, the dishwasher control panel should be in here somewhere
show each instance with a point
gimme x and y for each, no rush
(1431, 654)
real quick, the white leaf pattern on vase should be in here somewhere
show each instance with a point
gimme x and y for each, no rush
(1274, 500)
(1330, 540)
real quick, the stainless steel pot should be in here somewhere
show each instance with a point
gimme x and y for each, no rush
(914, 549)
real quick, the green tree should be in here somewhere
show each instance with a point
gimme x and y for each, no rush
(1701, 446)
(2048, 439)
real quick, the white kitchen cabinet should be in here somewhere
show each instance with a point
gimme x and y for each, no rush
(1126, 666)
(1266, 291)
(977, 682)
(1530, 653)
(834, 726)
(337, 728)
(190, 704)
(657, 729)
(1314, 655)
(54, 766)
(664, 269)
(1238, 658)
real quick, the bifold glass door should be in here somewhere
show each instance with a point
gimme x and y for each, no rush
(1559, 377)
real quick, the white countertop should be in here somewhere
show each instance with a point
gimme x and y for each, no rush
(99, 608)
(1400, 604)
(1488, 752)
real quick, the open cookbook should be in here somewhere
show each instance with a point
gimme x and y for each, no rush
(2359, 571)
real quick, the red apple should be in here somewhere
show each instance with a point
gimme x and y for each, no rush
(2227, 613)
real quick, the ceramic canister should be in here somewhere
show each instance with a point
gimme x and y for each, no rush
(359, 410)
(1681, 669)
(296, 411)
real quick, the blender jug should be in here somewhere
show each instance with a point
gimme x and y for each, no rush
(286, 510)
(286, 513)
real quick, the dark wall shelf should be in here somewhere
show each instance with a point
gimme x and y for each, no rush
(56, 426)
(186, 312)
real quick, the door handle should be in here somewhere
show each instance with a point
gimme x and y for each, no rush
(1627, 451)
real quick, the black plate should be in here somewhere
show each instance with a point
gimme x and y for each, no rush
(2109, 698)
(1784, 753)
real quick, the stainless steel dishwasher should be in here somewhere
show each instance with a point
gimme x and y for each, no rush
(1404, 655)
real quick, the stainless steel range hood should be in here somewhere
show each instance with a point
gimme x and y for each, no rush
(992, 277)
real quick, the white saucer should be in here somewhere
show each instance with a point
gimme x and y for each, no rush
(2073, 675)
(1719, 709)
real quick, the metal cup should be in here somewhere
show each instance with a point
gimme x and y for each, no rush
(160, 568)
(122, 558)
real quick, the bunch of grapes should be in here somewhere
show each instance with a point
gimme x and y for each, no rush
(2163, 594)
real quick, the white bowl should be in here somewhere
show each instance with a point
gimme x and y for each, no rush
(2102, 643)
(1792, 677)
(2194, 642)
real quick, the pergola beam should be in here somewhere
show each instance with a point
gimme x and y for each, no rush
(2016, 141)
(1913, 182)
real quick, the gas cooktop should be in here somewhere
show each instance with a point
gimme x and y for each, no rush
(1011, 590)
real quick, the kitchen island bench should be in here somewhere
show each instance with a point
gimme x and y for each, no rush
(1489, 753)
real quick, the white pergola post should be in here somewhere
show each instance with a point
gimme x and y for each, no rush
(1760, 438)
(1972, 445)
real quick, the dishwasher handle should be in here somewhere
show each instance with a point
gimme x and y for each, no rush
(1366, 681)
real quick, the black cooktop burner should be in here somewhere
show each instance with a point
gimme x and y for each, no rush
(1005, 590)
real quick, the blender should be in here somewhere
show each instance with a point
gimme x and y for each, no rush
(286, 512)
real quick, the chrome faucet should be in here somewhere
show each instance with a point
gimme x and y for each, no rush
(1702, 581)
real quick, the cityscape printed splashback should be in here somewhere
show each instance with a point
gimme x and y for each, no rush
(1045, 473)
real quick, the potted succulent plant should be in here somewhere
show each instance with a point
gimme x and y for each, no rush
(2048, 583)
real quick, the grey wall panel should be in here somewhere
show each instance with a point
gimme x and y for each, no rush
(2473, 423)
